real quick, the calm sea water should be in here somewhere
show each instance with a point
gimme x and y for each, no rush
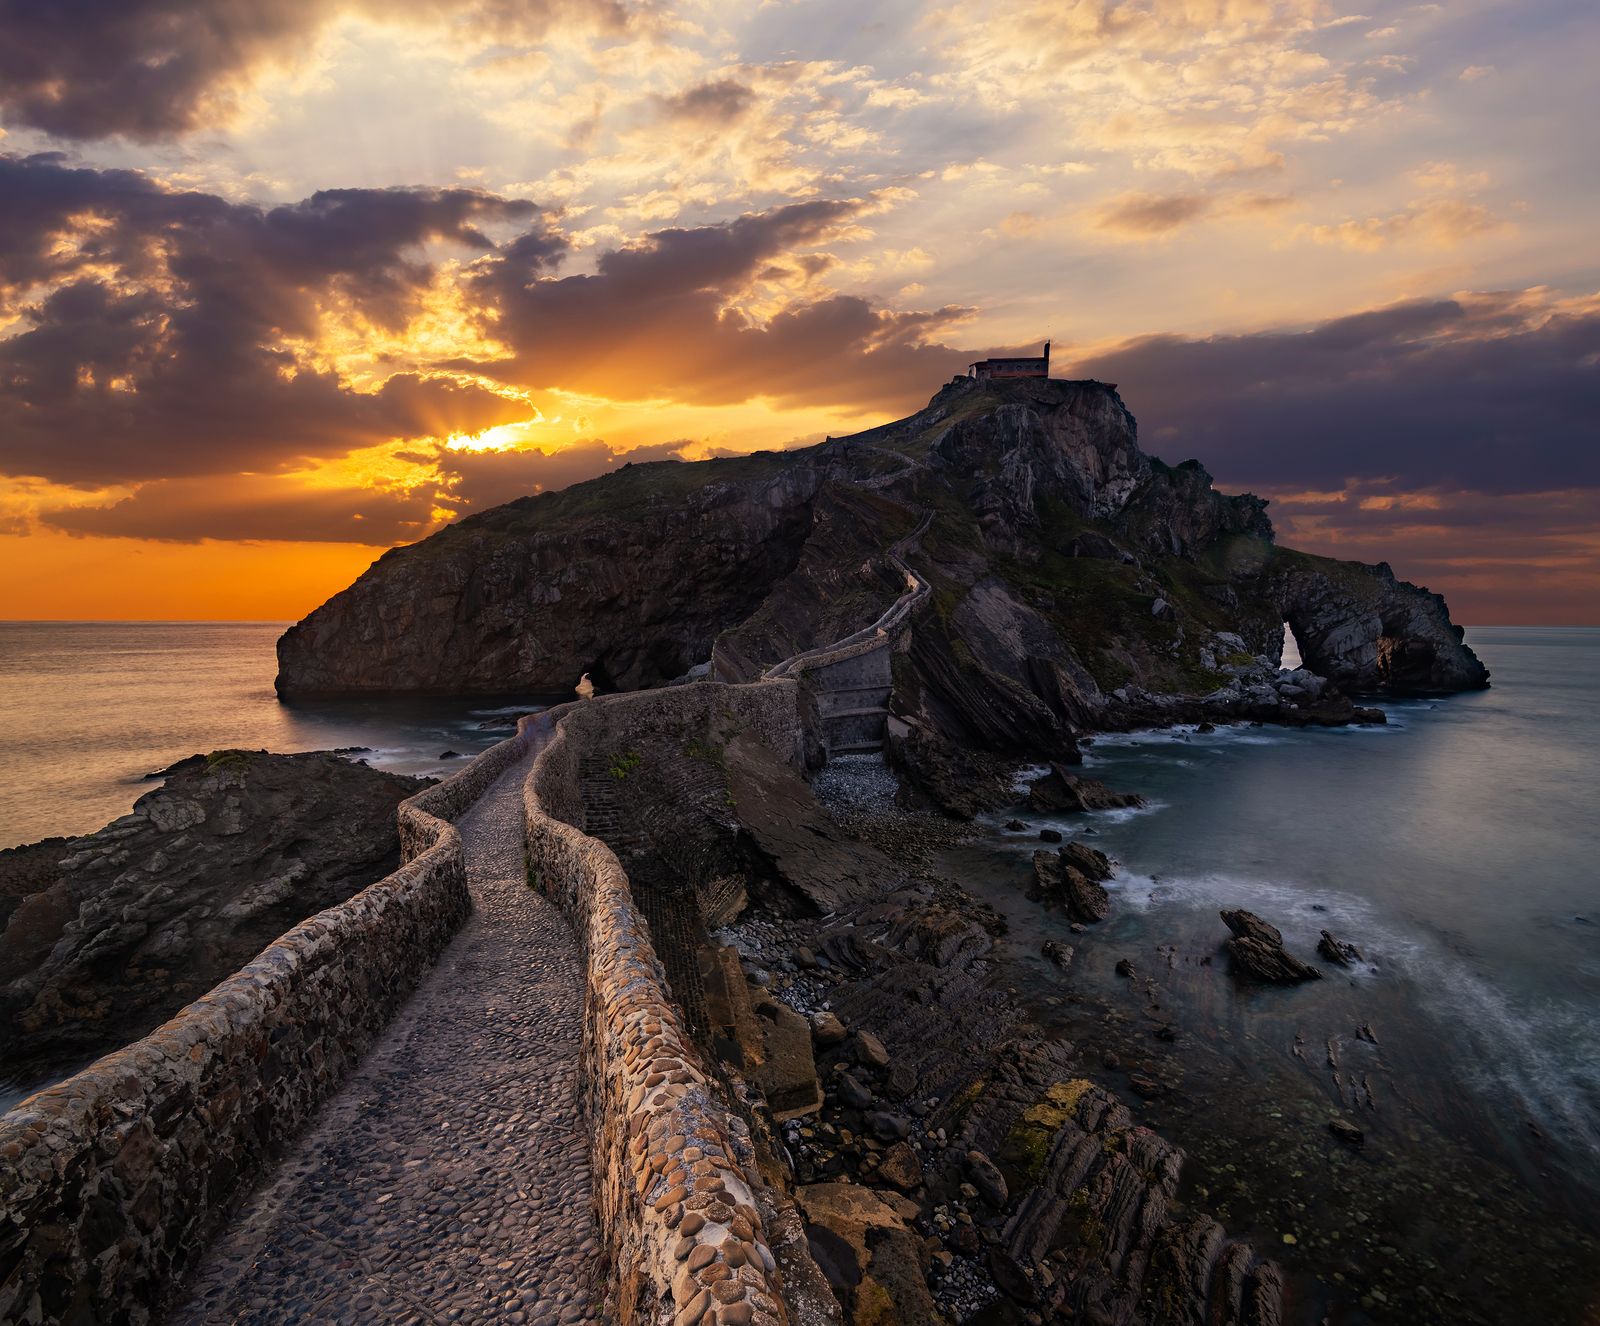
(1459, 848)
(88, 708)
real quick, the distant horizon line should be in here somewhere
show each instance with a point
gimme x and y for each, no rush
(290, 621)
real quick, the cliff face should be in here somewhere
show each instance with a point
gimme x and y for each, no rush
(629, 577)
(1364, 630)
(1076, 582)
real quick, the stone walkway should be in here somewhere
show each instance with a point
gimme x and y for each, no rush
(448, 1179)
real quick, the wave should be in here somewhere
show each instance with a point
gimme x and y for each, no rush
(1545, 1057)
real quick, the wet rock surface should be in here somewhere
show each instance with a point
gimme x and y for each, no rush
(961, 1162)
(109, 934)
(1063, 790)
(1258, 954)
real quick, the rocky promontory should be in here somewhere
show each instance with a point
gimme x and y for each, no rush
(107, 935)
(1076, 583)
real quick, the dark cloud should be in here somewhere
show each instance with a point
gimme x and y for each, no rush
(265, 507)
(720, 101)
(152, 69)
(653, 320)
(159, 346)
(1519, 557)
(1491, 394)
(1145, 214)
(144, 68)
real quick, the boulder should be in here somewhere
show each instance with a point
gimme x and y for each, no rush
(853, 1092)
(901, 1167)
(987, 1179)
(874, 1261)
(826, 1029)
(1336, 950)
(1347, 1132)
(870, 1050)
(1258, 953)
(787, 1073)
(1059, 882)
(1063, 790)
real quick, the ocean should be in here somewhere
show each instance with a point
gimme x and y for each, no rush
(1457, 847)
(87, 709)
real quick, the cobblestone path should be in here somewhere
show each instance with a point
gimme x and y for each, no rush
(448, 1179)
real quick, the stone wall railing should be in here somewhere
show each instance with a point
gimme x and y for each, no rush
(677, 1207)
(112, 1181)
(881, 632)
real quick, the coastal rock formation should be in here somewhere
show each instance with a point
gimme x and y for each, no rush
(1074, 582)
(1338, 950)
(1061, 789)
(127, 925)
(1258, 953)
(1364, 630)
(628, 578)
(1070, 879)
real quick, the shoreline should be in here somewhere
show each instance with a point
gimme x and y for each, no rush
(1122, 1024)
(923, 842)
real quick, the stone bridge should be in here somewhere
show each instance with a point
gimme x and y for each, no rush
(466, 1093)
(850, 680)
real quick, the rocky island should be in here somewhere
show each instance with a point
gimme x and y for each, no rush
(805, 1090)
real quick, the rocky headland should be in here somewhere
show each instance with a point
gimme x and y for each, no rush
(934, 1153)
(105, 936)
(946, 1156)
(1077, 584)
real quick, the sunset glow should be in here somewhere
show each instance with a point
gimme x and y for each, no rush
(346, 271)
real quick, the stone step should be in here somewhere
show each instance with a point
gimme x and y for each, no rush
(863, 711)
(857, 748)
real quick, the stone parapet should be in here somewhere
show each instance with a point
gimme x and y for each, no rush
(113, 1181)
(673, 1163)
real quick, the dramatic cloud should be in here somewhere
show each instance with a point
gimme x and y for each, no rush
(1495, 393)
(258, 507)
(162, 332)
(656, 319)
(149, 69)
(526, 223)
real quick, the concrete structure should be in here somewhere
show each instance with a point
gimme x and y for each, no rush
(1012, 368)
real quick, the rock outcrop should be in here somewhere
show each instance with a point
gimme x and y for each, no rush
(1258, 953)
(1074, 583)
(1364, 630)
(1061, 789)
(127, 925)
(1072, 879)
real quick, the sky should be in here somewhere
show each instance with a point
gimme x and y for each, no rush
(286, 282)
